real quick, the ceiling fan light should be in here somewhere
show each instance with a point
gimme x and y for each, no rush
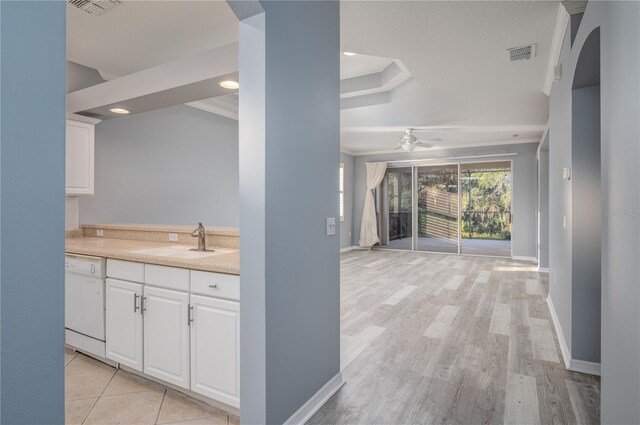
(408, 147)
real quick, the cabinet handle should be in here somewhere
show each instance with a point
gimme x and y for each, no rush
(135, 303)
(189, 315)
(214, 286)
(142, 307)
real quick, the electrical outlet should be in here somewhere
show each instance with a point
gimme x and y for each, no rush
(331, 226)
(173, 237)
(99, 232)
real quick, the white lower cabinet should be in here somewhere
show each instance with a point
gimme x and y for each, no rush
(166, 335)
(163, 328)
(123, 323)
(215, 349)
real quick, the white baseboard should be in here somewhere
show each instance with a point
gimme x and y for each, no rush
(571, 364)
(564, 348)
(349, 248)
(523, 258)
(543, 269)
(304, 413)
(584, 367)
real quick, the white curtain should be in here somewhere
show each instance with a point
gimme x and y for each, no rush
(369, 226)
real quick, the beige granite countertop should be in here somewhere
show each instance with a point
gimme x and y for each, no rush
(120, 249)
(222, 231)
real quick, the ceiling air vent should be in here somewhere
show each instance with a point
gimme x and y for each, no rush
(523, 53)
(95, 7)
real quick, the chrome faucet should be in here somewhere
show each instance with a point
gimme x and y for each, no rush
(200, 234)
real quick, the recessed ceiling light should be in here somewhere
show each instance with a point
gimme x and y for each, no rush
(229, 84)
(120, 111)
(349, 53)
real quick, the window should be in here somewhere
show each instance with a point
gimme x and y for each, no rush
(341, 191)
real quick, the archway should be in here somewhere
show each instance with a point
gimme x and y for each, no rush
(586, 203)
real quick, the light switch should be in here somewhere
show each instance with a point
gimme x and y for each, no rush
(566, 173)
(173, 237)
(331, 226)
(564, 222)
(99, 232)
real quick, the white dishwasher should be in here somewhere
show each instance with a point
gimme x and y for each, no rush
(84, 303)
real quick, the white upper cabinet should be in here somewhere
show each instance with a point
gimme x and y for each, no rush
(80, 155)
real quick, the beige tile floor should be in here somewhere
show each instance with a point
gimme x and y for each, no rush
(96, 393)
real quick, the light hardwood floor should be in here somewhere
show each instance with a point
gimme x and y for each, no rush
(429, 338)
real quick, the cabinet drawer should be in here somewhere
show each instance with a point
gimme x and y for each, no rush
(215, 284)
(167, 277)
(125, 270)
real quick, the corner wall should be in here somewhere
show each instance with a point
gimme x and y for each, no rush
(32, 173)
(543, 204)
(524, 233)
(302, 266)
(290, 268)
(619, 24)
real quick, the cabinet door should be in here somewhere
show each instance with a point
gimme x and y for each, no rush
(80, 158)
(215, 349)
(166, 335)
(124, 323)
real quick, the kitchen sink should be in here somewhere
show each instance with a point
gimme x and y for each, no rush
(182, 251)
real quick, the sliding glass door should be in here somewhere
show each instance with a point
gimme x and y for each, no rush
(453, 208)
(399, 209)
(438, 208)
(486, 209)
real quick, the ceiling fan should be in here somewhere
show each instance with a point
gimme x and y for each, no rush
(409, 142)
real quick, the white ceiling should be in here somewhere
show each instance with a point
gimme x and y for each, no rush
(455, 51)
(386, 139)
(355, 66)
(141, 34)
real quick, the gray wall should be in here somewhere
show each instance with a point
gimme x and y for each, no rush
(585, 228)
(290, 325)
(346, 227)
(523, 237)
(177, 165)
(32, 200)
(253, 290)
(560, 195)
(303, 303)
(619, 24)
(543, 203)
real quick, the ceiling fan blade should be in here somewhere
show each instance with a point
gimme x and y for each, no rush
(423, 144)
(437, 139)
(399, 147)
